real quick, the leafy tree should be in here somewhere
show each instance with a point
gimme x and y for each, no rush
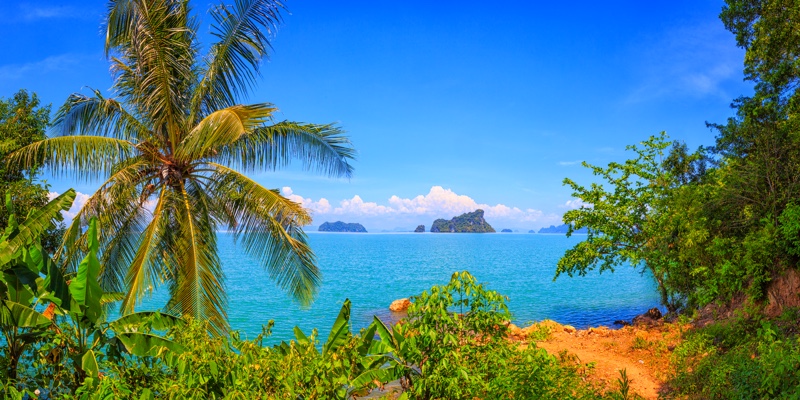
(174, 138)
(624, 217)
(23, 121)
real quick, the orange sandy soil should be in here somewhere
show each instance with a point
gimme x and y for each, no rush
(644, 352)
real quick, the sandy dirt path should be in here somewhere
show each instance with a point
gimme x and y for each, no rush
(643, 352)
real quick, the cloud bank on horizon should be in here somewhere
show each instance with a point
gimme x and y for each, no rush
(404, 212)
(422, 209)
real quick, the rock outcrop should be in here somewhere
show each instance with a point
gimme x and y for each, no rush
(465, 223)
(420, 228)
(651, 318)
(400, 305)
(340, 226)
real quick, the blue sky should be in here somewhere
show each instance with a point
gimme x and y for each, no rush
(451, 105)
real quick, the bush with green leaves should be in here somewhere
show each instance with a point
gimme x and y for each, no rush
(453, 345)
(744, 358)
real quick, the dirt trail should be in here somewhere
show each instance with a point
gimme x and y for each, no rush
(643, 352)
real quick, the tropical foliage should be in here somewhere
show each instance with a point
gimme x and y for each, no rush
(452, 345)
(23, 121)
(720, 222)
(172, 148)
(719, 228)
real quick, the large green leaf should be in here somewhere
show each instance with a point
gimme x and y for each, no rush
(24, 275)
(340, 331)
(387, 344)
(142, 321)
(89, 365)
(84, 288)
(16, 290)
(300, 336)
(11, 228)
(145, 344)
(38, 222)
(56, 284)
(21, 316)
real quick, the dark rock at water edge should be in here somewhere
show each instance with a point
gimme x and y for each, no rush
(420, 228)
(651, 318)
(561, 229)
(506, 231)
(340, 226)
(465, 223)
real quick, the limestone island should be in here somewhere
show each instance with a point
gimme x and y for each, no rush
(506, 231)
(465, 223)
(340, 226)
(561, 229)
(420, 228)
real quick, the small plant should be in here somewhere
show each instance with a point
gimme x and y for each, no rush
(540, 332)
(624, 382)
(640, 343)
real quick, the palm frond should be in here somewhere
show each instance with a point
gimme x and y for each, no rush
(221, 128)
(243, 30)
(85, 157)
(199, 282)
(119, 23)
(144, 267)
(117, 204)
(156, 41)
(34, 225)
(99, 116)
(321, 148)
(269, 226)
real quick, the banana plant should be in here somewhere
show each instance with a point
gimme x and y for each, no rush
(83, 304)
(22, 262)
(355, 363)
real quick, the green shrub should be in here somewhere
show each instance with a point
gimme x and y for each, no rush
(741, 359)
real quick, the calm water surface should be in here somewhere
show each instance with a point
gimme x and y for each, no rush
(372, 270)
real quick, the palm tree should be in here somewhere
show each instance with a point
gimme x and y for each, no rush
(170, 147)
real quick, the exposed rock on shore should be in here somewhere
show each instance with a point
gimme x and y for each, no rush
(400, 305)
(650, 318)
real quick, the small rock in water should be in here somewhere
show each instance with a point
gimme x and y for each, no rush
(621, 322)
(400, 305)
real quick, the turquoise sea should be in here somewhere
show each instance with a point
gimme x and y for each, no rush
(372, 270)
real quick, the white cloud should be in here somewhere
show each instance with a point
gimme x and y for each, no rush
(575, 203)
(565, 163)
(357, 206)
(80, 200)
(37, 12)
(50, 64)
(693, 61)
(437, 203)
(322, 206)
